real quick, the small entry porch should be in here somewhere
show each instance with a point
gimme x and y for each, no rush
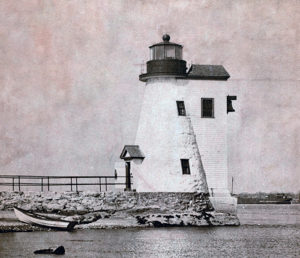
(131, 154)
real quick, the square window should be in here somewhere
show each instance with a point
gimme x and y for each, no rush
(180, 108)
(185, 167)
(207, 107)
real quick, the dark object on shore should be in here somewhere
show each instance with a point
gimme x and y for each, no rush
(43, 221)
(141, 220)
(267, 199)
(59, 251)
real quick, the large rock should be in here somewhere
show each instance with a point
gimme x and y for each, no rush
(51, 207)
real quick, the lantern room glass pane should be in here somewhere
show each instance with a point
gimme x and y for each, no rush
(159, 52)
(178, 54)
(170, 52)
(152, 56)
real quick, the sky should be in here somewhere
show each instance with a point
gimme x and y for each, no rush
(70, 96)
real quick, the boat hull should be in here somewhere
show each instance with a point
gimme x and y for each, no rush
(276, 202)
(245, 200)
(33, 219)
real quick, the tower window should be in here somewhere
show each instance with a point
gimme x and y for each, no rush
(180, 108)
(185, 167)
(207, 106)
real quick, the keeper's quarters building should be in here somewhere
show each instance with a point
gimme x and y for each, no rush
(181, 141)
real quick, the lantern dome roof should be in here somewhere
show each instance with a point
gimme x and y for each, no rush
(166, 41)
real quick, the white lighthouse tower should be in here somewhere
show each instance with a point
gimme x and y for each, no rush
(181, 141)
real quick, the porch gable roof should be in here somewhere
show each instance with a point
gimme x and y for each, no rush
(132, 152)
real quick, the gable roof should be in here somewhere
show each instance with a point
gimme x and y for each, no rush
(132, 152)
(207, 72)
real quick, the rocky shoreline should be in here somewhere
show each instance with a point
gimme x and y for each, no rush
(114, 210)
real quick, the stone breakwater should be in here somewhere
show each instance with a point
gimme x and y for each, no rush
(70, 203)
(118, 209)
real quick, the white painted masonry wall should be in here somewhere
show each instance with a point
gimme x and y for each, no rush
(211, 133)
(165, 138)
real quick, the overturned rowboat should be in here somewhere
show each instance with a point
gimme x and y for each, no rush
(43, 221)
(59, 250)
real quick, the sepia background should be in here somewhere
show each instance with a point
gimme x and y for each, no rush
(70, 96)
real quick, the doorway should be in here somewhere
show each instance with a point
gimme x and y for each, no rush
(128, 177)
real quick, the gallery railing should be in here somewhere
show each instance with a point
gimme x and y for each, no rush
(46, 182)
